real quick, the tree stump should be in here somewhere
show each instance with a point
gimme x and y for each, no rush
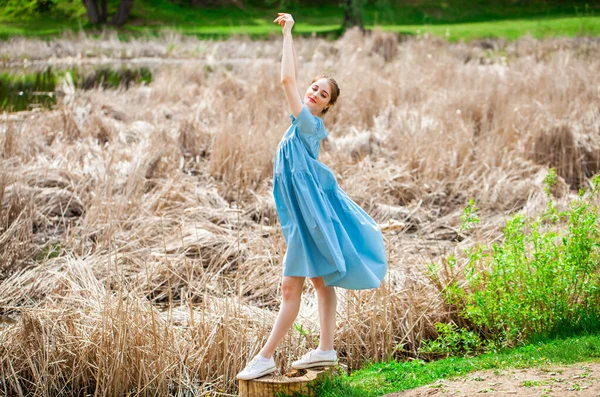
(293, 382)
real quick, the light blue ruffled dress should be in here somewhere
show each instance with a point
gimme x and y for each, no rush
(327, 234)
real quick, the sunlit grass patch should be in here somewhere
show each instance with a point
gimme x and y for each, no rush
(508, 29)
(381, 378)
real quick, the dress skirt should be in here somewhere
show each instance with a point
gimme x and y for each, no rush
(327, 234)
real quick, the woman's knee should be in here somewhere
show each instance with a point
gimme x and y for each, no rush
(319, 285)
(291, 288)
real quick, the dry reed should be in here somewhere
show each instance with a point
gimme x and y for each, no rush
(139, 242)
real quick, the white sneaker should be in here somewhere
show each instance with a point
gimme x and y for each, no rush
(316, 358)
(256, 368)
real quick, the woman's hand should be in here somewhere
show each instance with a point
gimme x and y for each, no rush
(286, 21)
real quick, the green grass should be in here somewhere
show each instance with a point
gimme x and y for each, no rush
(508, 29)
(35, 27)
(461, 19)
(382, 378)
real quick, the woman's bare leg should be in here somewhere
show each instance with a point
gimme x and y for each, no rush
(291, 293)
(327, 309)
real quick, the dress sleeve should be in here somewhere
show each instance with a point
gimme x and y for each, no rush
(309, 126)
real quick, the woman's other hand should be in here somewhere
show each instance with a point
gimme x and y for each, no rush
(286, 21)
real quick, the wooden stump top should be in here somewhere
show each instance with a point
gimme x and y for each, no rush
(290, 383)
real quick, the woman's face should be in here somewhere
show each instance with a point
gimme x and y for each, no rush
(317, 96)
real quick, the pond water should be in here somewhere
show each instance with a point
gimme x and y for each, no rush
(25, 89)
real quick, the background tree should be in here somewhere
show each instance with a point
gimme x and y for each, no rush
(97, 12)
(353, 14)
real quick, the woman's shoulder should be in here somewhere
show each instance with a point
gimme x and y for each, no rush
(307, 114)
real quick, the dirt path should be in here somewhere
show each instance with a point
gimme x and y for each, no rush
(581, 379)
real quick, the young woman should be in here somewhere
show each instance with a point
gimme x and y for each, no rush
(330, 239)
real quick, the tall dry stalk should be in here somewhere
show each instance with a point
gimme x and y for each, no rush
(139, 244)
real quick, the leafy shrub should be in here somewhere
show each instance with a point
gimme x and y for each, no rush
(542, 280)
(23, 9)
(452, 341)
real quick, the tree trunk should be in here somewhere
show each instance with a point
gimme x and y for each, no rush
(91, 7)
(122, 13)
(353, 14)
(103, 11)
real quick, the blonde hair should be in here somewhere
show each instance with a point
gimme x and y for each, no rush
(333, 95)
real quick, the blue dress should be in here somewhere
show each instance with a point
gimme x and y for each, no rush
(327, 234)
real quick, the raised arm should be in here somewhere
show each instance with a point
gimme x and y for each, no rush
(295, 63)
(288, 65)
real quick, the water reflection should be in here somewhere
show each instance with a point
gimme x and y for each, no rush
(25, 90)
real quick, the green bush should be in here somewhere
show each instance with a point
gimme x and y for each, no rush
(542, 280)
(24, 9)
(452, 341)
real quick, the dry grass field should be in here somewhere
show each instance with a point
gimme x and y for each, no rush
(140, 251)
